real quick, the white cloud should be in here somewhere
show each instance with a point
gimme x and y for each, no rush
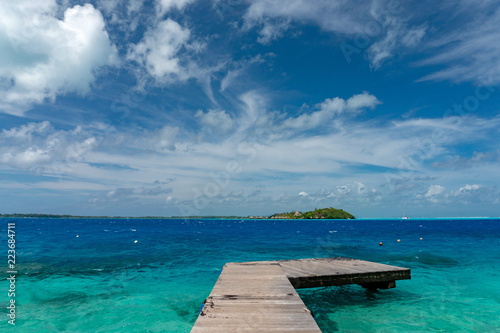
(40, 148)
(270, 32)
(470, 52)
(237, 68)
(116, 173)
(26, 132)
(343, 189)
(164, 6)
(361, 101)
(434, 192)
(378, 22)
(467, 189)
(134, 6)
(158, 51)
(397, 37)
(254, 110)
(331, 160)
(335, 16)
(329, 108)
(360, 187)
(43, 56)
(215, 120)
(167, 54)
(108, 6)
(230, 77)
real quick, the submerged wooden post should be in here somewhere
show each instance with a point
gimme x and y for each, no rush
(261, 296)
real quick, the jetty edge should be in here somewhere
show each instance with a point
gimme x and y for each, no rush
(260, 296)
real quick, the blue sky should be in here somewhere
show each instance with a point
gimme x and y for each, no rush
(198, 107)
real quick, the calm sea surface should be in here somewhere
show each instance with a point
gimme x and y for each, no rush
(89, 275)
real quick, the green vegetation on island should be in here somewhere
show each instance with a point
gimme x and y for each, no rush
(322, 213)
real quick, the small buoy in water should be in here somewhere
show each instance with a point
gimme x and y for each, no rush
(77, 236)
(420, 238)
(380, 243)
(399, 240)
(135, 241)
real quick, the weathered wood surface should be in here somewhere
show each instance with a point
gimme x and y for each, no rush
(321, 272)
(254, 297)
(260, 296)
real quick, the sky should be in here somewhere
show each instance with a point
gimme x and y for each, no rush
(239, 107)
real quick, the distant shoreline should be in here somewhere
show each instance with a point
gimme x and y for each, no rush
(56, 216)
(115, 217)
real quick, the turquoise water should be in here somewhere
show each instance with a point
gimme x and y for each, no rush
(102, 281)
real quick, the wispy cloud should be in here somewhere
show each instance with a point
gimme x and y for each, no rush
(40, 148)
(398, 37)
(337, 16)
(469, 52)
(163, 6)
(379, 26)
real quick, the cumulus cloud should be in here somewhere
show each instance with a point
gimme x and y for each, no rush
(158, 51)
(44, 56)
(167, 54)
(467, 189)
(343, 189)
(434, 192)
(476, 194)
(331, 107)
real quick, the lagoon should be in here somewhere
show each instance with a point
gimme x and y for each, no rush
(151, 275)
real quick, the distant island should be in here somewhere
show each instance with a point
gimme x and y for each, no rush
(322, 213)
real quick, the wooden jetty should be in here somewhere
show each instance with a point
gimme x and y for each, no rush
(260, 296)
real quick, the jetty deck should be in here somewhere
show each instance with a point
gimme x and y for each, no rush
(260, 296)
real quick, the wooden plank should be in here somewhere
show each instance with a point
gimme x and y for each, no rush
(254, 297)
(261, 297)
(311, 273)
